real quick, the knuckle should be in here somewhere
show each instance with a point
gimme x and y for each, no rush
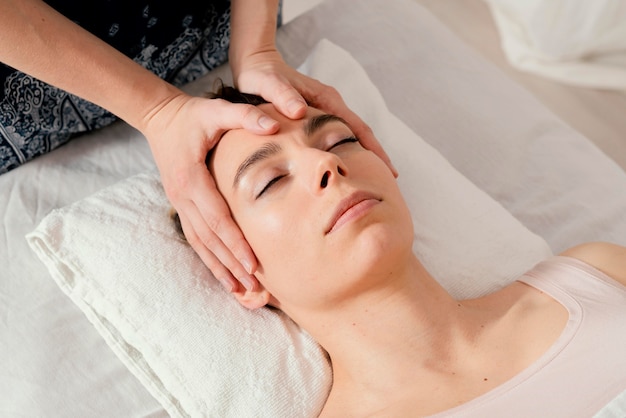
(180, 182)
(283, 87)
(249, 112)
(367, 130)
(326, 95)
(196, 243)
(329, 91)
(215, 224)
(332, 91)
(217, 268)
(214, 265)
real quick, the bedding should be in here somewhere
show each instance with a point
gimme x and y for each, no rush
(190, 343)
(549, 177)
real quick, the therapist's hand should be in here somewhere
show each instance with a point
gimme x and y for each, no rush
(180, 133)
(267, 75)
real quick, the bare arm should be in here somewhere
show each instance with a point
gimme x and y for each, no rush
(39, 41)
(606, 257)
(253, 29)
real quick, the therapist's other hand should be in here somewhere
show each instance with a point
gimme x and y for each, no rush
(267, 75)
(181, 132)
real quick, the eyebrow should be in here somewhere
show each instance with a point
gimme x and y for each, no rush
(318, 122)
(270, 149)
(263, 153)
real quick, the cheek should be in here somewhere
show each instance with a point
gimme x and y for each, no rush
(267, 234)
(287, 249)
(277, 236)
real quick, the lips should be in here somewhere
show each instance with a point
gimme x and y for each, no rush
(351, 207)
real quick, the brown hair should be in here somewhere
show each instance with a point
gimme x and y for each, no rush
(231, 94)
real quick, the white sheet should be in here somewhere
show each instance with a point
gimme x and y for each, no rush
(549, 176)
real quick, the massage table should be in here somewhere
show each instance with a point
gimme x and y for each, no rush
(496, 134)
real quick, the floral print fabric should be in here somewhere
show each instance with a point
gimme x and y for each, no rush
(178, 41)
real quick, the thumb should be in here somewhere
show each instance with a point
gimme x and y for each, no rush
(284, 97)
(229, 116)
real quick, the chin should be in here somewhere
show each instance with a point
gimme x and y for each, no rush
(380, 248)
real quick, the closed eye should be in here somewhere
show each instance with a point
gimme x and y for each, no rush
(269, 185)
(276, 179)
(344, 141)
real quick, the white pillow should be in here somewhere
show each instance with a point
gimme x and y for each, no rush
(117, 256)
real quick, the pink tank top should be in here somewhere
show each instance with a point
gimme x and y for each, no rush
(585, 369)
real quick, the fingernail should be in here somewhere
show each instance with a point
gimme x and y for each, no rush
(266, 122)
(295, 105)
(247, 265)
(247, 282)
(228, 285)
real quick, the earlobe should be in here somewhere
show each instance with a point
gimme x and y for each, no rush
(253, 299)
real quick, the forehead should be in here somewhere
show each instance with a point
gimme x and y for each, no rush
(237, 143)
(286, 125)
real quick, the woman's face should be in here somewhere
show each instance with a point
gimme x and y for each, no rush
(323, 215)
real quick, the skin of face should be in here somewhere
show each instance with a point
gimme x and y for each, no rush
(286, 203)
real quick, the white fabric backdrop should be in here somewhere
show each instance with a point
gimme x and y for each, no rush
(579, 42)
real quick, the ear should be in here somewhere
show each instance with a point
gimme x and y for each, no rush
(253, 299)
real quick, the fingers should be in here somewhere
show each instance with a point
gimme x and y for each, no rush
(214, 235)
(329, 100)
(281, 92)
(290, 91)
(369, 141)
(277, 89)
(204, 215)
(284, 97)
(229, 116)
(223, 264)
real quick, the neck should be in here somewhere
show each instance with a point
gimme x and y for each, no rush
(379, 339)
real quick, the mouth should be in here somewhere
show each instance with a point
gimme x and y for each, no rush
(351, 208)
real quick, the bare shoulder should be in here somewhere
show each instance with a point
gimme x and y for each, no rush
(606, 257)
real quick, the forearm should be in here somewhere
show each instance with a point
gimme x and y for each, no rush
(253, 29)
(37, 40)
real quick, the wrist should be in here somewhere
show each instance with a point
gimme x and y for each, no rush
(253, 31)
(258, 59)
(148, 100)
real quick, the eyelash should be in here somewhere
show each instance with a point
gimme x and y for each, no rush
(344, 141)
(273, 181)
(270, 184)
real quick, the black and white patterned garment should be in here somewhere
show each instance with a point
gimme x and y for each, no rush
(177, 40)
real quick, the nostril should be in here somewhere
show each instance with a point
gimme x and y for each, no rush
(324, 182)
(340, 171)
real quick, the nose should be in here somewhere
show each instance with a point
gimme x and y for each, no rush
(328, 169)
(330, 174)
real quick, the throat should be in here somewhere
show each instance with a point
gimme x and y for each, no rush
(436, 362)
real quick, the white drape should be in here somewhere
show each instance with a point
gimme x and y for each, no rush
(581, 42)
